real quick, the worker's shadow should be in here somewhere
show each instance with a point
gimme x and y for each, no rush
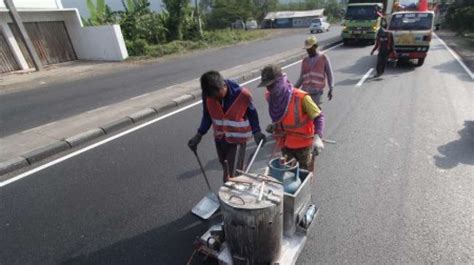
(457, 152)
(169, 244)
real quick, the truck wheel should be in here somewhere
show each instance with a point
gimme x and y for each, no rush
(420, 62)
(345, 42)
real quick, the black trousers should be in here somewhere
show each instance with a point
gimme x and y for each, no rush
(227, 153)
(382, 60)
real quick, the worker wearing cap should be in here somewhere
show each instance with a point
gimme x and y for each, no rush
(316, 70)
(293, 114)
(229, 109)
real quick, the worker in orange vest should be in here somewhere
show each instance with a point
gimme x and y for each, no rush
(229, 109)
(293, 113)
(316, 71)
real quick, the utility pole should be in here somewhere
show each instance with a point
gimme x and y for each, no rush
(24, 35)
(198, 17)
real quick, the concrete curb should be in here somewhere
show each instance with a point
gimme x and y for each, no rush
(117, 125)
(143, 115)
(128, 121)
(45, 151)
(12, 165)
(84, 137)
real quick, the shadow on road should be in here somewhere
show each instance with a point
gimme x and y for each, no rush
(453, 67)
(457, 152)
(168, 244)
(358, 67)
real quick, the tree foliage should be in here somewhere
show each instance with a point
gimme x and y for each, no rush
(100, 14)
(460, 16)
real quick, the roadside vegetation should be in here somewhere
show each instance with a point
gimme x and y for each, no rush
(460, 17)
(180, 27)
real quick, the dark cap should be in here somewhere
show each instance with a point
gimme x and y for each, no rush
(269, 74)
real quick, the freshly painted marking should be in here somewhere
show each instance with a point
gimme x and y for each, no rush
(98, 109)
(92, 146)
(456, 56)
(141, 96)
(364, 77)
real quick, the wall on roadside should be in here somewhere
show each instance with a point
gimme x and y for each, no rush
(90, 43)
(100, 43)
(34, 4)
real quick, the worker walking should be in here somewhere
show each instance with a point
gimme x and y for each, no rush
(385, 46)
(230, 110)
(293, 113)
(316, 71)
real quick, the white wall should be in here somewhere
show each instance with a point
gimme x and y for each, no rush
(101, 43)
(33, 4)
(90, 43)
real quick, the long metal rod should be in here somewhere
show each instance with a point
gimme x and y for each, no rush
(254, 156)
(202, 170)
(23, 34)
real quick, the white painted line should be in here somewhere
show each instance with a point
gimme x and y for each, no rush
(92, 146)
(364, 77)
(98, 109)
(141, 96)
(456, 56)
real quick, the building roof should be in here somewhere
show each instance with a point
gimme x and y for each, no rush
(294, 14)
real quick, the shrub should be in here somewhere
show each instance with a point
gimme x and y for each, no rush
(136, 47)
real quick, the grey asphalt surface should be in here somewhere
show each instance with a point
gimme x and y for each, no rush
(396, 188)
(27, 109)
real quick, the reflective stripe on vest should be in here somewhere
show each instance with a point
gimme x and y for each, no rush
(232, 125)
(314, 77)
(296, 130)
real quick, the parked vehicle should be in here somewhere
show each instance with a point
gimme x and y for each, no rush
(319, 25)
(412, 32)
(251, 24)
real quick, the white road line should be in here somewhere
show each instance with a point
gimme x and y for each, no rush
(98, 109)
(456, 56)
(364, 77)
(92, 146)
(141, 96)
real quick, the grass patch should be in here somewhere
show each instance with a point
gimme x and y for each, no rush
(210, 39)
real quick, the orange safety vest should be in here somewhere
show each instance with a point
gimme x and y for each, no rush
(314, 76)
(231, 125)
(296, 129)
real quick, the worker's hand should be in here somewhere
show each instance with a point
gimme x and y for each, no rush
(258, 136)
(318, 145)
(270, 128)
(330, 94)
(372, 53)
(193, 142)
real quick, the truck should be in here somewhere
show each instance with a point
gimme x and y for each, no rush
(362, 20)
(412, 32)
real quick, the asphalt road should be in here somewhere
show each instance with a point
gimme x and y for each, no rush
(27, 109)
(396, 188)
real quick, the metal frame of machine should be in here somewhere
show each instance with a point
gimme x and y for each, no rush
(298, 217)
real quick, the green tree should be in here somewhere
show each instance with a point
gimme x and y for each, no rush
(100, 14)
(178, 10)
